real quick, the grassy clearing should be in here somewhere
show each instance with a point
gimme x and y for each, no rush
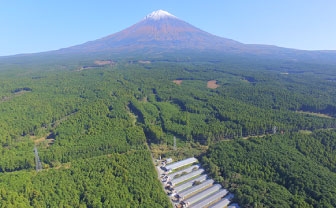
(315, 114)
(178, 82)
(212, 84)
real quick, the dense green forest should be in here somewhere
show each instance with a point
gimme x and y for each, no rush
(291, 170)
(114, 180)
(98, 126)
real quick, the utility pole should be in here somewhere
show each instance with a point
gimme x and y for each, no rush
(174, 143)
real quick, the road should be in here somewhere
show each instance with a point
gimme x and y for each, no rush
(37, 160)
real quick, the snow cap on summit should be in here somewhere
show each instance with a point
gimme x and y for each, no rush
(159, 14)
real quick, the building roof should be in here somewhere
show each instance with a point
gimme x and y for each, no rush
(201, 195)
(188, 192)
(181, 163)
(190, 183)
(187, 176)
(224, 202)
(169, 160)
(187, 170)
(210, 199)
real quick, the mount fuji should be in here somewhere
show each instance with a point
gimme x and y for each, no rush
(158, 30)
(161, 32)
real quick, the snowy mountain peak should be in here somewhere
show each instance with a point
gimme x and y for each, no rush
(159, 14)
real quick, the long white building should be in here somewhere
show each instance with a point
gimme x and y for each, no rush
(189, 184)
(201, 195)
(179, 182)
(187, 170)
(180, 164)
(186, 177)
(193, 190)
(210, 199)
(224, 202)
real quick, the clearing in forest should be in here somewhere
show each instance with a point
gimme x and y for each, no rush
(178, 81)
(144, 62)
(212, 84)
(315, 114)
(47, 140)
(103, 62)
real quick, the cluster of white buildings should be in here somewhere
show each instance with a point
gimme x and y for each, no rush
(189, 186)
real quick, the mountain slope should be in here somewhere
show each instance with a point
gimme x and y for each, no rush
(161, 30)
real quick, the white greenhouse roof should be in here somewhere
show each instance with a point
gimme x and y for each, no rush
(224, 202)
(187, 176)
(181, 163)
(202, 194)
(210, 199)
(195, 189)
(187, 170)
(190, 183)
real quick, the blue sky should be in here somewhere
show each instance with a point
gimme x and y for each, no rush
(29, 26)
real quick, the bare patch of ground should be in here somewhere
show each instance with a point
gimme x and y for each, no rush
(307, 132)
(46, 140)
(16, 94)
(97, 64)
(184, 151)
(3, 99)
(38, 141)
(144, 99)
(249, 137)
(64, 165)
(315, 114)
(212, 84)
(178, 81)
(144, 62)
(103, 62)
